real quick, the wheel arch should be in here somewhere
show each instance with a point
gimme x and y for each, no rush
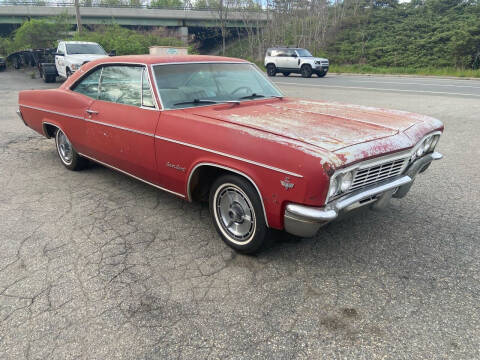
(49, 129)
(196, 171)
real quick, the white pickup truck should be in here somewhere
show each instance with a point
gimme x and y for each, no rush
(71, 55)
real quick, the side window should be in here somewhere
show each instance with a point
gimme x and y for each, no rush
(121, 84)
(88, 86)
(147, 96)
(61, 48)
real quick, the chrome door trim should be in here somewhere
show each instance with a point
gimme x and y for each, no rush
(119, 127)
(230, 156)
(133, 176)
(189, 195)
(52, 112)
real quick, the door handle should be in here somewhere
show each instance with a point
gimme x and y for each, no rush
(92, 112)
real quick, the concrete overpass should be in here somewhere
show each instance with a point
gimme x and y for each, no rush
(11, 13)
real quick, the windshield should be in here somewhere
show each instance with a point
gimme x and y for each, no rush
(304, 53)
(96, 49)
(196, 84)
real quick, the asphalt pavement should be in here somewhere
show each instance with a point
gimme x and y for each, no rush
(97, 265)
(396, 84)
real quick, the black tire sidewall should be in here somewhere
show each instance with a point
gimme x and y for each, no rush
(271, 70)
(304, 72)
(261, 230)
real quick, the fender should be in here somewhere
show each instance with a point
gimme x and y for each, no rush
(197, 166)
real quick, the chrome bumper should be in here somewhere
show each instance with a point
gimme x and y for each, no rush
(305, 221)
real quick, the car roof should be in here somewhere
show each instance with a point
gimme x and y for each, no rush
(79, 42)
(156, 59)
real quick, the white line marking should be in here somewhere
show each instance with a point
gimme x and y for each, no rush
(410, 83)
(379, 89)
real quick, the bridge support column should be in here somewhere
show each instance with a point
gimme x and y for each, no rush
(182, 33)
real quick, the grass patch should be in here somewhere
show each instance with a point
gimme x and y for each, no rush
(368, 69)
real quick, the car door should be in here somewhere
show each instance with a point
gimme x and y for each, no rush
(291, 59)
(121, 122)
(60, 60)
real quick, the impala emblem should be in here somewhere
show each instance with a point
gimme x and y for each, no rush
(287, 184)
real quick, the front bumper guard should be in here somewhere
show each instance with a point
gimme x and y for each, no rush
(305, 221)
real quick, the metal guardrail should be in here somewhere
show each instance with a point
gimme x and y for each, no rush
(122, 6)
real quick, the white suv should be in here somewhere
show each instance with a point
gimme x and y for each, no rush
(73, 54)
(294, 60)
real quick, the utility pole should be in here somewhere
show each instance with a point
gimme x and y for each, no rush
(77, 14)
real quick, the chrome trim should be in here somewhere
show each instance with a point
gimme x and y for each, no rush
(436, 156)
(311, 213)
(52, 112)
(189, 195)
(54, 125)
(230, 156)
(119, 127)
(380, 160)
(133, 176)
(19, 113)
(209, 62)
(103, 64)
(349, 200)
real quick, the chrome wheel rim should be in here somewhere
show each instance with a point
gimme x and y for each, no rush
(235, 214)
(64, 148)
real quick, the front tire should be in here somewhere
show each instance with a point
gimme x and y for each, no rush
(286, 74)
(321, 74)
(66, 152)
(68, 72)
(306, 71)
(237, 214)
(271, 70)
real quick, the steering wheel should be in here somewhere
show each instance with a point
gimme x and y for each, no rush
(248, 90)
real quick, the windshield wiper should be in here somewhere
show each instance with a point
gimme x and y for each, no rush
(205, 101)
(252, 96)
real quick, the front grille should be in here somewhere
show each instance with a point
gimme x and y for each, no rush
(377, 173)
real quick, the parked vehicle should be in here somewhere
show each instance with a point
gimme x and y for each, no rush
(73, 54)
(294, 60)
(3, 63)
(215, 129)
(43, 59)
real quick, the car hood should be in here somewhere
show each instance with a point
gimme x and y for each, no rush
(326, 125)
(80, 58)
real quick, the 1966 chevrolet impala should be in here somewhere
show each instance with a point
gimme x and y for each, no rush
(216, 129)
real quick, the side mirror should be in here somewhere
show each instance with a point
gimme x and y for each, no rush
(112, 53)
(59, 54)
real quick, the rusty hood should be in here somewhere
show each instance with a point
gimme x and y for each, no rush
(327, 125)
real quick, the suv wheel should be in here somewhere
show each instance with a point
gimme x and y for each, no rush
(306, 71)
(271, 70)
(321, 74)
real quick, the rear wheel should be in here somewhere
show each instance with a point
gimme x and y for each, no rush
(237, 214)
(271, 70)
(306, 71)
(68, 156)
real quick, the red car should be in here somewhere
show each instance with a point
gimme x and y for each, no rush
(216, 129)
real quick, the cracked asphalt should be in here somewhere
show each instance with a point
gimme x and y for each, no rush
(96, 265)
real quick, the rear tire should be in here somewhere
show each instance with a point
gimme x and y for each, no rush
(271, 70)
(306, 71)
(237, 214)
(67, 154)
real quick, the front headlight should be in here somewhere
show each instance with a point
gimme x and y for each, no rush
(347, 180)
(333, 187)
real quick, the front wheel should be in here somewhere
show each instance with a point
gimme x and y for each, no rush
(68, 72)
(237, 214)
(68, 156)
(321, 74)
(306, 71)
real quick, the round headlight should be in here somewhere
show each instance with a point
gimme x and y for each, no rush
(427, 143)
(420, 150)
(333, 187)
(434, 142)
(347, 180)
